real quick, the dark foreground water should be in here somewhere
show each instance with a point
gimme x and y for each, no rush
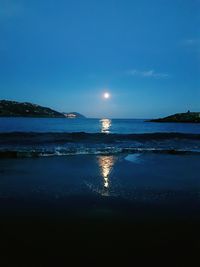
(99, 193)
(138, 177)
(96, 210)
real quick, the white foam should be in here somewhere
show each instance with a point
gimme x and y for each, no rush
(135, 158)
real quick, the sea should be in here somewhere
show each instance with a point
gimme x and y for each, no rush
(45, 137)
(101, 191)
(104, 125)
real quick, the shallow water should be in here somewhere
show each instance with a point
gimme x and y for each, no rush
(142, 178)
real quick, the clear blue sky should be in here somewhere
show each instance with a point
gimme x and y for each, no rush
(65, 53)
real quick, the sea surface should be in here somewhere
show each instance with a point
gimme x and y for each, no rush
(47, 137)
(122, 126)
(99, 191)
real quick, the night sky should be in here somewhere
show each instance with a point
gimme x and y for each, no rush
(66, 53)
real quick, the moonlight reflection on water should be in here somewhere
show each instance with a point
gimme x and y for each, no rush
(106, 164)
(105, 125)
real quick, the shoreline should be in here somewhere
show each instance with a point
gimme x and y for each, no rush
(60, 211)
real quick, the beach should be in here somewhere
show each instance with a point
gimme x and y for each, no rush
(100, 209)
(99, 133)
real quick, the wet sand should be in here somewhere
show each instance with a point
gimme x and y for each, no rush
(100, 210)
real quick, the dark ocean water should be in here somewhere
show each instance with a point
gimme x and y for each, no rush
(28, 137)
(112, 191)
(103, 209)
(122, 126)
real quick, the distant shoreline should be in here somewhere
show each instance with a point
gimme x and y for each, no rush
(188, 117)
(29, 110)
(41, 117)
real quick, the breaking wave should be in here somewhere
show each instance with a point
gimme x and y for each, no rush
(20, 144)
(107, 151)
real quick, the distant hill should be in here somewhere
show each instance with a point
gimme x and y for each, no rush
(17, 109)
(73, 115)
(189, 117)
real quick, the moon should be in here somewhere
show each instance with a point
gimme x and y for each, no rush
(106, 95)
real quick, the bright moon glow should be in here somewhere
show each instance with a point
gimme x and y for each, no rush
(106, 95)
(105, 125)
